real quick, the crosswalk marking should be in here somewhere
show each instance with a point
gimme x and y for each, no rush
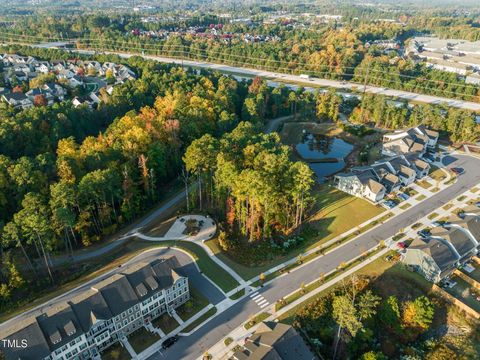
(257, 297)
(255, 293)
(261, 302)
(266, 304)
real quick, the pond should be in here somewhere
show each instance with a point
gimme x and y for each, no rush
(324, 154)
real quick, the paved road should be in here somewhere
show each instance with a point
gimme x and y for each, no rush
(194, 345)
(280, 77)
(188, 268)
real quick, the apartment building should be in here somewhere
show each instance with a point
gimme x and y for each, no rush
(89, 322)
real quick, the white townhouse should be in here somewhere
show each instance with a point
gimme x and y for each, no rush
(86, 324)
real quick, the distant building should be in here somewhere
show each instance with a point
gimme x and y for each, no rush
(413, 141)
(274, 341)
(109, 310)
(17, 100)
(363, 183)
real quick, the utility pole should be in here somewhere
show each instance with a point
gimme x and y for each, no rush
(365, 82)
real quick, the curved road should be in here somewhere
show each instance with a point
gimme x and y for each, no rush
(193, 346)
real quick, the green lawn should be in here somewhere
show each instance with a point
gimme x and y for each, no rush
(141, 339)
(334, 213)
(166, 323)
(447, 206)
(238, 295)
(436, 173)
(424, 183)
(196, 303)
(432, 216)
(200, 320)
(405, 206)
(421, 197)
(257, 319)
(116, 352)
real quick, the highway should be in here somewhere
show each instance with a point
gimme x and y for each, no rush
(195, 345)
(314, 82)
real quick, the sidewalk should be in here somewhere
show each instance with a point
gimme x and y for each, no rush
(155, 348)
(220, 350)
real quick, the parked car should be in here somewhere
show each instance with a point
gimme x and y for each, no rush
(423, 233)
(437, 223)
(457, 171)
(403, 196)
(401, 245)
(169, 342)
(390, 204)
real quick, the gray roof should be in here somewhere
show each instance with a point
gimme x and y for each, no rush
(118, 293)
(37, 344)
(440, 252)
(272, 341)
(460, 241)
(59, 325)
(89, 307)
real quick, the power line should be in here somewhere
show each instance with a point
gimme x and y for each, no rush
(270, 68)
(163, 47)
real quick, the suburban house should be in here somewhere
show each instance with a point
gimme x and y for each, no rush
(470, 224)
(75, 81)
(276, 341)
(433, 258)
(17, 100)
(413, 141)
(422, 168)
(385, 176)
(461, 243)
(403, 169)
(69, 73)
(446, 247)
(40, 92)
(401, 166)
(363, 183)
(91, 321)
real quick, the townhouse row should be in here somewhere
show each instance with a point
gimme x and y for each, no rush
(403, 163)
(95, 318)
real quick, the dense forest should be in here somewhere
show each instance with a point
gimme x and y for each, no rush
(70, 176)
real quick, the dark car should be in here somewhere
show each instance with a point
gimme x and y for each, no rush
(423, 233)
(169, 342)
(457, 171)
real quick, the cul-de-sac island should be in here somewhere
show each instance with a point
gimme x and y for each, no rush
(244, 180)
